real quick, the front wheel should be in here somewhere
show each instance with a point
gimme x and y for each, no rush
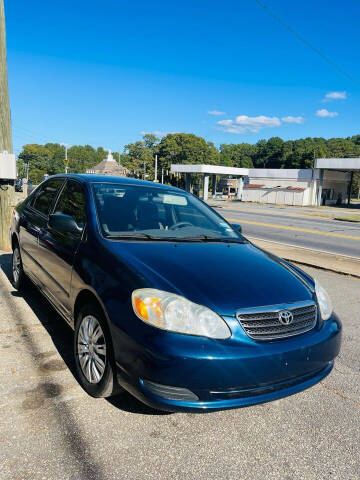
(18, 275)
(93, 353)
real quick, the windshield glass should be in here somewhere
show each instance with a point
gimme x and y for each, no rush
(130, 211)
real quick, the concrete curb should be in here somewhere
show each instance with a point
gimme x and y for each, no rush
(312, 258)
(307, 212)
(346, 220)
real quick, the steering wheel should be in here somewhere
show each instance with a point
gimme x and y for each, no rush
(180, 225)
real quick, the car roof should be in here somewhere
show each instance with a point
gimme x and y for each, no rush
(93, 178)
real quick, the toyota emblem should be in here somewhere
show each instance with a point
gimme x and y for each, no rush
(285, 317)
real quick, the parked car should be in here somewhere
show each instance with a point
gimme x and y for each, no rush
(167, 299)
(18, 185)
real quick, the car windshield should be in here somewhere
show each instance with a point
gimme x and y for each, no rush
(142, 212)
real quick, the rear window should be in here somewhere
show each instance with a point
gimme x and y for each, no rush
(45, 196)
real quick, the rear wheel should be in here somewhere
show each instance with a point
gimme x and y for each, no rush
(93, 352)
(18, 275)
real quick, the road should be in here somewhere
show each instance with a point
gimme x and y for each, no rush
(50, 429)
(288, 226)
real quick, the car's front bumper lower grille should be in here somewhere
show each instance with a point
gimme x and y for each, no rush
(278, 321)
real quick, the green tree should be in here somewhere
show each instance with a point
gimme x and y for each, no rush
(140, 159)
(150, 141)
(237, 155)
(38, 158)
(186, 148)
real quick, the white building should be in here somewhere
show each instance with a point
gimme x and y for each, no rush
(109, 166)
(328, 183)
(296, 187)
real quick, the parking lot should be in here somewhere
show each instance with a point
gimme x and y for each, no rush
(50, 429)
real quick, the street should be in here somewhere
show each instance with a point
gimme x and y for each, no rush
(292, 226)
(52, 429)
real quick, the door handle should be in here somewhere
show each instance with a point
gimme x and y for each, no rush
(39, 231)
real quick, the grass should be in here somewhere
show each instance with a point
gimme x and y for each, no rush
(349, 218)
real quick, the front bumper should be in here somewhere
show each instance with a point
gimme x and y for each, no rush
(226, 374)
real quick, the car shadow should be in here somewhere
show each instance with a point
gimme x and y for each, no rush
(62, 337)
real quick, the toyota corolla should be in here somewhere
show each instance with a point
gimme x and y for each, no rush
(167, 299)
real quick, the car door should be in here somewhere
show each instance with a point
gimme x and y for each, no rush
(33, 221)
(59, 248)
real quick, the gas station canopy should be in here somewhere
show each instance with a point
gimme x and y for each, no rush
(208, 170)
(345, 164)
(342, 164)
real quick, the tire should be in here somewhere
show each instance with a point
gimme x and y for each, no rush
(17, 271)
(93, 352)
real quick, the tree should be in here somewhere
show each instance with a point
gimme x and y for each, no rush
(260, 158)
(150, 141)
(186, 148)
(140, 159)
(39, 160)
(237, 155)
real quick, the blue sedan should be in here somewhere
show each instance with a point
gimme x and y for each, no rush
(167, 299)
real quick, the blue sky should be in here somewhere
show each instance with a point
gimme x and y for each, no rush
(103, 72)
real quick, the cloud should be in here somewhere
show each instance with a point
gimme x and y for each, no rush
(335, 96)
(215, 112)
(157, 133)
(291, 119)
(325, 113)
(245, 124)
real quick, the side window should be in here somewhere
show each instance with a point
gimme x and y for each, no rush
(72, 202)
(44, 199)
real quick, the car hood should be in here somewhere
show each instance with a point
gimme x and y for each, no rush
(221, 276)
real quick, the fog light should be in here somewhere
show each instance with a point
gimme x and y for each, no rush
(171, 393)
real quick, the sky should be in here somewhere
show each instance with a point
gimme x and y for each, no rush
(104, 72)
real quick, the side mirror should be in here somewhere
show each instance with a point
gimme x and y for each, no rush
(237, 227)
(64, 223)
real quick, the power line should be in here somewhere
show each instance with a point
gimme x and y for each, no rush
(24, 136)
(307, 43)
(31, 134)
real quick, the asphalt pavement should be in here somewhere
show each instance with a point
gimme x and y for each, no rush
(51, 429)
(291, 226)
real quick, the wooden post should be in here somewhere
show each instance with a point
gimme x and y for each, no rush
(5, 123)
(7, 201)
(6, 191)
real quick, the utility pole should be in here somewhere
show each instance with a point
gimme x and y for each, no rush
(5, 121)
(66, 161)
(7, 197)
(162, 175)
(156, 168)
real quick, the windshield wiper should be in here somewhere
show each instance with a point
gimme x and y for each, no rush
(190, 238)
(134, 236)
(207, 238)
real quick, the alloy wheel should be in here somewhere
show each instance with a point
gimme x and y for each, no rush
(16, 265)
(91, 349)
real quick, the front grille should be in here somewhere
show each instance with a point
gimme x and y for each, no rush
(264, 323)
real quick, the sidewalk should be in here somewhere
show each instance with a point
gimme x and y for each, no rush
(327, 261)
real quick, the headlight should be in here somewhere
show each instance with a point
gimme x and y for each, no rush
(177, 314)
(324, 301)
